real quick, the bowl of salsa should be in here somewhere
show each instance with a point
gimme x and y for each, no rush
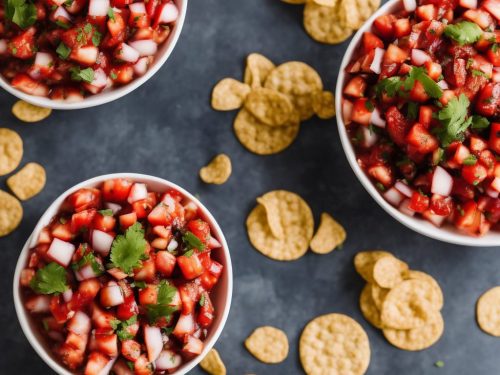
(124, 273)
(418, 112)
(71, 54)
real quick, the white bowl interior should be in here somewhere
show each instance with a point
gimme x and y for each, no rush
(447, 233)
(221, 295)
(107, 96)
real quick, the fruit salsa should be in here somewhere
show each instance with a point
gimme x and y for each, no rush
(69, 49)
(121, 280)
(422, 108)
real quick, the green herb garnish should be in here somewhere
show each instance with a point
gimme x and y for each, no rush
(454, 120)
(128, 249)
(464, 32)
(50, 279)
(63, 51)
(21, 12)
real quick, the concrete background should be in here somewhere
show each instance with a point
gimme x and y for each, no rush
(167, 128)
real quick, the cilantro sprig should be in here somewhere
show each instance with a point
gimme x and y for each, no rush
(464, 32)
(454, 120)
(63, 51)
(50, 279)
(127, 250)
(78, 74)
(89, 258)
(166, 293)
(20, 12)
(191, 243)
(108, 212)
(121, 327)
(400, 86)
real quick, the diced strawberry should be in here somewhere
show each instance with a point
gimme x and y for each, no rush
(101, 318)
(127, 309)
(185, 325)
(116, 190)
(468, 217)
(480, 17)
(107, 344)
(440, 205)
(426, 12)
(146, 272)
(22, 46)
(494, 141)
(384, 25)
(402, 27)
(192, 346)
(190, 295)
(96, 362)
(492, 6)
(148, 295)
(361, 113)
(356, 87)
(81, 221)
(29, 86)
(394, 54)
(84, 199)
(105, 223)
(142, 366)
(131, 350)
(206, 313)
(371, 41)
(397, 125)
(165, 263)
(382, 174)
(26, 276)
(477, 144)
(420, 137)
(474, 174)
(488, 101)
(190, 266)
(419, 202)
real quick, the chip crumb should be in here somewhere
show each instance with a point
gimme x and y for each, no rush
(439, 364)
(229, 94)
(28, 112)
(11, 213)
(27, 182)
(268, 344)
(330, 235)
(212, 363)
(11, 150)
(217, 171)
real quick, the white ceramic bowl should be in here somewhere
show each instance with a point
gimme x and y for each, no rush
(107, 96)
(221, 294)
(447, 233)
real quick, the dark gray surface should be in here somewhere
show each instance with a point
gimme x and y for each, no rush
(166, 128)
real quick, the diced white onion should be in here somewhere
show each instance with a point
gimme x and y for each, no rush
(113, 207)
(168, 360)
(101, 242)
(145, 47)
(98, 8)
(442, 182)
(138, 192)
(61, 251)
(393, 196)
(404, 189)
(376, 119)
(410, 5)
(419, 57)
(376, 65)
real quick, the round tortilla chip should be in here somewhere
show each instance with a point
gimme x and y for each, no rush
(296, 221)
(229, 94)
(378, 295)
(268, 344)
(299, 82)
(368, 308)
(358, 11)
(411, 304)
(272, 205)
(27, 182)
(260, 138)
(488, 311)
(334, 344)
(411, 274)
(365, 260)
(329, 235)
(212, 363)
(323, 104)
(417, 338)
(269, 106)
(11, 213)
(327, 24)
(11, 150)
(389, 272)
(30, 113)
(217, 171)
(257, 69)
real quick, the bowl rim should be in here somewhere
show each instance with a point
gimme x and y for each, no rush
(22, 314)
(115, 93)
(446, 234)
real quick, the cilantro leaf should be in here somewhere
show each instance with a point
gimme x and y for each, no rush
(470, 160)
(127, 250)
(96, 38)
(464, 32)
(63, 51)
(476, 73)
(412, 110)
(50, 279)
(391, 86)
(479, 122)
(20, 12)
(192, 242)
(108, 212)
(454, 121)
(111, 14)
(89, 258)
(165, 293)
(121, 327)
(439, 364)
(430, 86)
(202, 300)
(155, 312)
(78, 74)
